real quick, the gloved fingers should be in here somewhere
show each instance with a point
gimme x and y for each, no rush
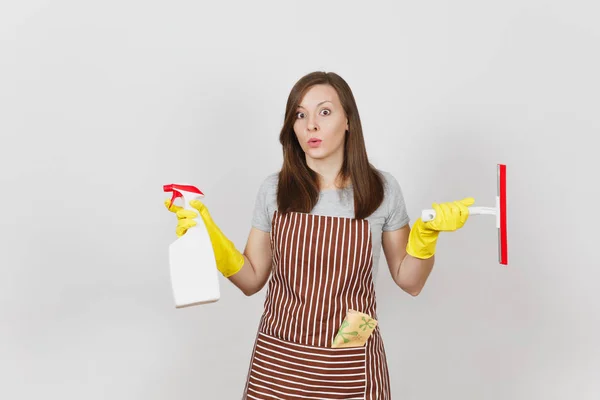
(203, 210)
(186, 214)
(468, 201)
(448, 212)
(463, 211)
(450, 215)
(173, 208)
(183, 225)
(447, 216)
(464, 205)
(180, 231)
(455, 209)
(453, 216)
(198, 205)
(434, 223)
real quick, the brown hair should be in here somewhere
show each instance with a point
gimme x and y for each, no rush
(298, 188)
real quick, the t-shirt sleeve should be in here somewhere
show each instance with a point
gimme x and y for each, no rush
(260, 217)
(397, 215)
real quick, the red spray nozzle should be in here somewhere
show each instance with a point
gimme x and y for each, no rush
(177, 189)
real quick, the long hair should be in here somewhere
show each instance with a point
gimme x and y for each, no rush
(298, 188)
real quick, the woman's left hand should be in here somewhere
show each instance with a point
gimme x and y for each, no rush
(450, 216)
(423, 236)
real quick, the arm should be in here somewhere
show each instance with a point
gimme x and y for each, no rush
(248, 271)
(409, 273)
(258, 259)
(410, 252)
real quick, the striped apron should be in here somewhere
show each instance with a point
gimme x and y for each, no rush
(322, 266)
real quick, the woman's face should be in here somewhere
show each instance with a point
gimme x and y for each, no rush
(321, 123)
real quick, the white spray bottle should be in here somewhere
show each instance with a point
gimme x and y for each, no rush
(194, 274)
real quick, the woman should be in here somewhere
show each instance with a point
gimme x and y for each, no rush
(317, 231)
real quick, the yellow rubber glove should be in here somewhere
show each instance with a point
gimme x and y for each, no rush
(448, 217)
(229, 259)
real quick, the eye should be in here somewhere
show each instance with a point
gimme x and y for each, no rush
(300, 113)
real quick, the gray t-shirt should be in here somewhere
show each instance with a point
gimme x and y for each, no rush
(390, 215)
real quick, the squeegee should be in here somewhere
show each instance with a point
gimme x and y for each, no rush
(499, 211)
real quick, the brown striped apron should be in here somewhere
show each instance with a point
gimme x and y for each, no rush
(322, 266)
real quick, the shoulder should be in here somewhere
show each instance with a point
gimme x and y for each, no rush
(268, 187)
(265, 204)
(390, 183)
(393, 196)
(269, 183)
(394, 205)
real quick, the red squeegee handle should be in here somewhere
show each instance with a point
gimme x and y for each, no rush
(502, 232)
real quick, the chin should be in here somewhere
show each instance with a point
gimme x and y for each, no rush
(317, 154)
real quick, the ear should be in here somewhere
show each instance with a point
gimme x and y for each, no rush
(347, 125)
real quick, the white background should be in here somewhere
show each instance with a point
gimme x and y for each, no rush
(101, 103)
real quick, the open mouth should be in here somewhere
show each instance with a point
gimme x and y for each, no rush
(314, 142)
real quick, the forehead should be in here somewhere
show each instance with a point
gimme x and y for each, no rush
(318, 93)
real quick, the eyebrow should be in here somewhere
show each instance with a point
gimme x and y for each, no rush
(326, 101)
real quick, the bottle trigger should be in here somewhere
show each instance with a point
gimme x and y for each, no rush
(176, 194)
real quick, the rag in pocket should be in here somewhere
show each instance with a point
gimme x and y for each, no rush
(355, 330)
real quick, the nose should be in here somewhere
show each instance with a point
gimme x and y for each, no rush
(312, 125)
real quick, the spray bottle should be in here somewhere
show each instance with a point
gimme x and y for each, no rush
(194, 274)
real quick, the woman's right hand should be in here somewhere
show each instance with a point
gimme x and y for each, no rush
(229, 259)
(185, 218)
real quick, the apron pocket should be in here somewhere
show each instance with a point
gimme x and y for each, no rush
(355, 330)
(287, 370)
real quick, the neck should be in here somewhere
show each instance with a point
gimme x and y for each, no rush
(328, 170)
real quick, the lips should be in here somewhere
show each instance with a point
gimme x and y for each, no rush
(314, 142)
